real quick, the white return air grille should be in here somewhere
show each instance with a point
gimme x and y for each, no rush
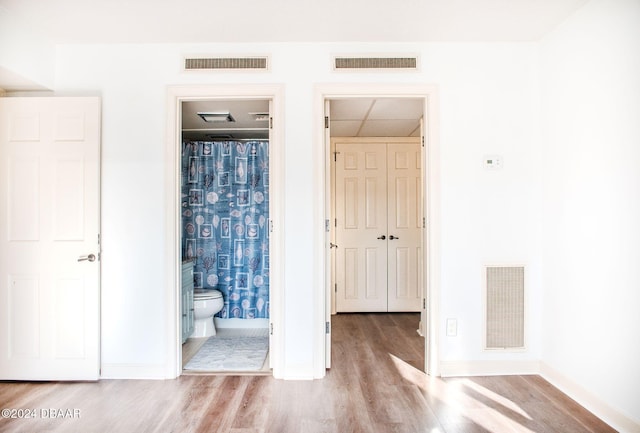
(224, 63)
(505, 307)
(347, 63)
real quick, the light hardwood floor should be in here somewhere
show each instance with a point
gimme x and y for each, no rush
(373, 386)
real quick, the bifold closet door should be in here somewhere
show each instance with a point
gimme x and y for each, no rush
(378, 226)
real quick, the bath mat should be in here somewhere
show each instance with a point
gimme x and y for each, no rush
(230, 354)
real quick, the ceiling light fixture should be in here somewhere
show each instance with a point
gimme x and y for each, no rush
(216, 116)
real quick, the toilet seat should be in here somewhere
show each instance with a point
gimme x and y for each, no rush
(203, 295)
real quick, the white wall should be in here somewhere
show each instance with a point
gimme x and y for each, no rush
(488, 95)
(27, 58)
(591, 118)
(488, 107)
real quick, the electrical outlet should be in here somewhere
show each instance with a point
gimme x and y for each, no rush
(452, 327)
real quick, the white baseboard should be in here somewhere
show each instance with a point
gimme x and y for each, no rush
(488, 368)
(593, 404)
(133, 371)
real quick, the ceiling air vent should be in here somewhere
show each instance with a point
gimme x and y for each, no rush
(218, 63)
(346, 63)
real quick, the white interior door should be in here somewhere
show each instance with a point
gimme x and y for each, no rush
(330, 234)
(361, 226)
(378, 225)
(404, 223)
(49, 238)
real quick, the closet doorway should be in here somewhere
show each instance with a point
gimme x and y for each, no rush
(227, 244)
(377, 115)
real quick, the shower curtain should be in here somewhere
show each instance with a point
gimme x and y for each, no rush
(225, 222)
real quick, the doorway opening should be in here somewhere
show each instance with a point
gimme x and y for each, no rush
(377, 180)
(226, 251)
(225, 255)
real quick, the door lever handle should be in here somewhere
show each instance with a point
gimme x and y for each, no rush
(90, 258)
(383, 237)
(392, 237)
(332, 245)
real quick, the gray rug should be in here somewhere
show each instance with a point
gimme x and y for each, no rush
(230, 354)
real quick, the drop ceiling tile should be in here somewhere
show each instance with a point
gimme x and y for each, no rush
(388, 128)
(350, 109)
(396, 108)
(345, 128)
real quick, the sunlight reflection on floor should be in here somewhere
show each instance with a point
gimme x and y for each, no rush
(455, 393)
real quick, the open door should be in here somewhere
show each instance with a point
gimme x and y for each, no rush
(271, 212)
(422, 328)
(49, 238)
(330, 245)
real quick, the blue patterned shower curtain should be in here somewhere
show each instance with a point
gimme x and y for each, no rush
(225, 222)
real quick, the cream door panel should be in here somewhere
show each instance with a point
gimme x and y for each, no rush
(404, 226)
(361, 214)
(49, 219)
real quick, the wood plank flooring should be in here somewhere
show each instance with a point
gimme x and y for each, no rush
(374, 385)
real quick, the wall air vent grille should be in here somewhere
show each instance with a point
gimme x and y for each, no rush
(345, 63)
(217, 63)
(504, 307)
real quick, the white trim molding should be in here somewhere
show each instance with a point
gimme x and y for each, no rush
(488, 368)
(133, 371)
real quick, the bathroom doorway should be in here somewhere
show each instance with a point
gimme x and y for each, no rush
(227, 244)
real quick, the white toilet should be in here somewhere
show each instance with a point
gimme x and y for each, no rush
(206, 303)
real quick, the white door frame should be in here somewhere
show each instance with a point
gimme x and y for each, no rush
(431, 203)
(175, 96)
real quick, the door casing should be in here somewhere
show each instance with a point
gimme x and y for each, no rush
(175, 96)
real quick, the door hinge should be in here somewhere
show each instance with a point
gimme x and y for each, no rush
(335, 288)
(335, 222)
(424, 303)
(424, 222)
(327, 328)
(423, 141)
(326, 122)
(271, 125)
(270, 328)
(327, 225)
(270, 226)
